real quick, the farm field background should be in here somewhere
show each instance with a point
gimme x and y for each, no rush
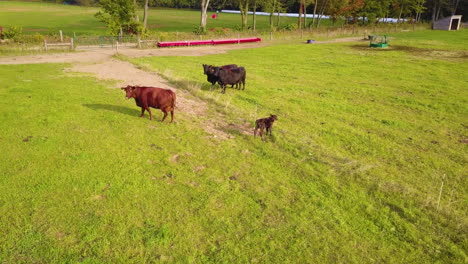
(364, 140)
(48, 17)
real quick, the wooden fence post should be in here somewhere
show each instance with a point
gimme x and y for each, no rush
(45, 44)
(61, 36)
(139, 41)
(71, 44)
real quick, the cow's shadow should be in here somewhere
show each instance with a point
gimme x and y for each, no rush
(207, 87)
(115, 108)
(217, 87)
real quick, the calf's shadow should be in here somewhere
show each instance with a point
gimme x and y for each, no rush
(115, 108)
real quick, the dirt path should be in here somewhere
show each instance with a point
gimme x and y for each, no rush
(102, 54)
(100, 63)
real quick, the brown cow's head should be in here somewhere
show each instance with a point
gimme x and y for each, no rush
(129, 91)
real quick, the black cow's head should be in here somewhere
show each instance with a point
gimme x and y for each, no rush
(273, 117)
(205, 68)
(215, 70)
(129, 91)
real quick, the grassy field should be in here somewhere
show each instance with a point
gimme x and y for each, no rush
(353, 172)
(46, 17)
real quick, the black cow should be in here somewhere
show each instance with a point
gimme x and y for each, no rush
(233, 76)
(209, 71)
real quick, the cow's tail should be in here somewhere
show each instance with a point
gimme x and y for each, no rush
(173, 95)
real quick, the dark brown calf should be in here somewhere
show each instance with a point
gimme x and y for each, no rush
(264, 123)
(146, 97)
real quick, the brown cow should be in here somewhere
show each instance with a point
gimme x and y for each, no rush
(146, 97)
(264, 123)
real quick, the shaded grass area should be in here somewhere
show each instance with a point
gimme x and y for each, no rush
(352, 173)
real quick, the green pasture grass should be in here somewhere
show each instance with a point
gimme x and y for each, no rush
(382, 128)
(48, 17)
(45, 18)
(439, 39)
(352, 173)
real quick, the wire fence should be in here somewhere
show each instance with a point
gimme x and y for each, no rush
(105, 41)
(151, 40)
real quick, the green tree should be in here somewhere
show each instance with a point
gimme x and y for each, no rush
(118, 15)
(244, 9)
(373, 10)
(272, 7)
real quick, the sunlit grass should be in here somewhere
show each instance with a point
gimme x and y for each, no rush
(352, 173)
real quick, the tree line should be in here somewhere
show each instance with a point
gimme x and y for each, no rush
(121, 14)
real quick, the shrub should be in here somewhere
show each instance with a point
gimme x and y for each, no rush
(291, 26)
(199, 31)
(133, 28)
(30, 39)
(13, 33)
(219, 30)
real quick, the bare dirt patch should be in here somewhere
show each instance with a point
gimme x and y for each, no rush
(417, 51)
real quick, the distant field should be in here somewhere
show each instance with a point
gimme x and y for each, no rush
(364, 140)
(45, 17)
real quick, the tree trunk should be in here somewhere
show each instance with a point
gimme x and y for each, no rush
(254, 15)
(278, 20)
(305, 16)
(271, 21)
(399, 16)
(145, 14)
(315, 13)
(204, 7)
(301, 11)
(322, 12)
(272, 13)
(244, 9)
(438, 12)
(135, 8)
(453, 5)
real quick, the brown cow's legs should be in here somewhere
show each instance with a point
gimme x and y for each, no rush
(149, 111)
(142, 112)
(164, 117)
(172, 116)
